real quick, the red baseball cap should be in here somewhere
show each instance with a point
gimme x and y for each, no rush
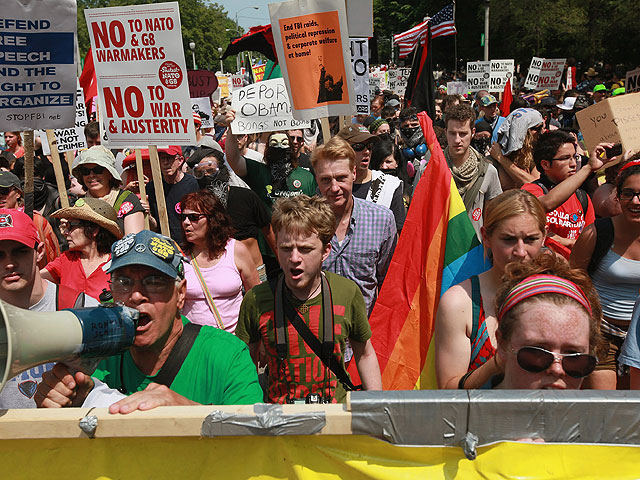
(16, 225)
(130, 159)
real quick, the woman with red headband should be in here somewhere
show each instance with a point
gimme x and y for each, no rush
(609, 250)
(514, 231)
(548, 315)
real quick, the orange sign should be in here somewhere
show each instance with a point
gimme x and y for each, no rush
(258, 72)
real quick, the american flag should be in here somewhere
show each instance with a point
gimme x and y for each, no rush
(407, 41)
(443, 22)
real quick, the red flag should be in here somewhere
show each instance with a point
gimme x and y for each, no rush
(507, 98)
(88, 78)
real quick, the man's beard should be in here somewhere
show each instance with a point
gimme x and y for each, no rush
(279, 162)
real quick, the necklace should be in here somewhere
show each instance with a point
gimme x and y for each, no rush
(304, 308)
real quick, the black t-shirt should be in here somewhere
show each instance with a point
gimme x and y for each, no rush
(248, 213)
(173, 193)
(360, 190)
(304, 160)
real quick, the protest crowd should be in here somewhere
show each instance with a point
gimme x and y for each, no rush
(280, 243)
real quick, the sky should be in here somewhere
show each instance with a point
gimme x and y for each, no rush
(247, 16)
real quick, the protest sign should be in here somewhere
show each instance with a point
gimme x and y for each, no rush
(141, 74)
(614, 120)
(37, 64)
(202, 106)
(202, 83)
(360, 18)
(258, 72)
(457, 88)
(360, 65)
(312, 44)
(478, 75)
(377, 81)
(71, 138)
(397, 80)
(501, 71)
(632, 83)
(236, 81)
(544, 73)
(263, 107)
(223, 86)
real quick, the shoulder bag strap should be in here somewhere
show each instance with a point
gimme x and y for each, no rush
(207, 294)
(178, 354)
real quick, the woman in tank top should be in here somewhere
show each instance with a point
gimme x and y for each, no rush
(219, 266)
(514, 231)
(616, 276)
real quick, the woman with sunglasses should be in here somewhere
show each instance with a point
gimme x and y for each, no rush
(549, 316)
(514, 230)
(90, 228)
(95, 169)
(609, 250)
(219, 268)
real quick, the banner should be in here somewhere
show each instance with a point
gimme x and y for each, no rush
(312, 45)
(490, 75)
(202, 106)
(398, 78)
(71, 138)
(632, 83)
(258, 72)
(37, 64)
(142, 75)
(264, 107)
(202, 83)
(360, 65)
(544, 73)
(457, 88)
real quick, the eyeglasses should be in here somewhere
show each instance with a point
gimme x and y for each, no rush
(70, 226)
(201, 172)
(577, 157)
(359, 147)
(193, 217)
(151, 283)
(536, 360)
(295, 139)
(88, 171)
(628, 195)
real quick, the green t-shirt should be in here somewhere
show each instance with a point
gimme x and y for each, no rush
(305, 372)
(258, 178)
(218, 370)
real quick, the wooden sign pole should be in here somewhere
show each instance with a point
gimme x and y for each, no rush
(57, 168)
(157, 182)
(68, 155)
(326, 129)
(141, 185)
(28, 173)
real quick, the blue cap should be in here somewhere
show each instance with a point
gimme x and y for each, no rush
(150, 249)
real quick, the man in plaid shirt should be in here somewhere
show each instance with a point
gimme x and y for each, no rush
(365, 237)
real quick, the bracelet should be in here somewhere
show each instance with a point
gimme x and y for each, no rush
(463, 379)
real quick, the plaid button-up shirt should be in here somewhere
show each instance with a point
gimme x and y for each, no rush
(366, 249)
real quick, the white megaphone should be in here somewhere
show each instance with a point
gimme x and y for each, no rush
(31, 338)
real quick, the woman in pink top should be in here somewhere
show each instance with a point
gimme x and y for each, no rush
(219, 266)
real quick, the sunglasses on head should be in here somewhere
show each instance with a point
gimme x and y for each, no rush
(88, 171)
(536, 360)
(359, 147)
(193, 217)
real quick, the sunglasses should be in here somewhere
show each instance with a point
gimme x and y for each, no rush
(628, 195)
(193, 217)
(5, 190)
(295, 139)
(88, 171)
(70, 226)
(359, 147)
(536, 360)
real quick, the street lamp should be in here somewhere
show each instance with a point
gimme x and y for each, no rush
(238, 33)
(192, 46)
(220, 53)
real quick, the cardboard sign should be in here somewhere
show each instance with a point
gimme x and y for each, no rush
(457, 88)
(37, 64)
(615, 120)
(72, 138)
(544, 73)
(202, 106)
(360, 66)
(397, 79)
(263, 107)
(312, 44)
(490, 75)
(258, 72)
(142, 75)
(202, 83)
(632, 83)
(223, 83)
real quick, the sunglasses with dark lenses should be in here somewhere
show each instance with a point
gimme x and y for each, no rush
(88, 171)
(193, 217)
(626, 194)
(359, 147)
(536, 360)
(293, 138)
(5, 190)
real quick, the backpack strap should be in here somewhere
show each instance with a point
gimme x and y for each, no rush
(604, 239)
(178, 354)
(583, 198)
(475, 305)
(471, 194)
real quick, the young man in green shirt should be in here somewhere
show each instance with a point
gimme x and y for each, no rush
(147, 274)
(304, 227)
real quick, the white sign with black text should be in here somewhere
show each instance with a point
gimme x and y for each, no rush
(545, 73)
(360, 66)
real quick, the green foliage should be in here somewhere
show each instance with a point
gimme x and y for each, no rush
(206, 24)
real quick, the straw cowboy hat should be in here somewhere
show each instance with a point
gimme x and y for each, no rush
(92, 210)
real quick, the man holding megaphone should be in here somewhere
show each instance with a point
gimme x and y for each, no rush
(172, 362)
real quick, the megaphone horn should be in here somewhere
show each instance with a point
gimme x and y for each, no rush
(31, 338)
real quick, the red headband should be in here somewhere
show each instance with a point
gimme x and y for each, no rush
(539, 284)
(633, 163)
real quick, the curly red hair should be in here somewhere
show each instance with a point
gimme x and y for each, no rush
(219, 226)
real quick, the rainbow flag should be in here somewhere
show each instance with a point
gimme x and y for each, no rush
(438, 248)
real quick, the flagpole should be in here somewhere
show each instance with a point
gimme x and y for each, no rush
(455, 44)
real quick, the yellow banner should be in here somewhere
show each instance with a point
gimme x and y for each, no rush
(307, 457)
